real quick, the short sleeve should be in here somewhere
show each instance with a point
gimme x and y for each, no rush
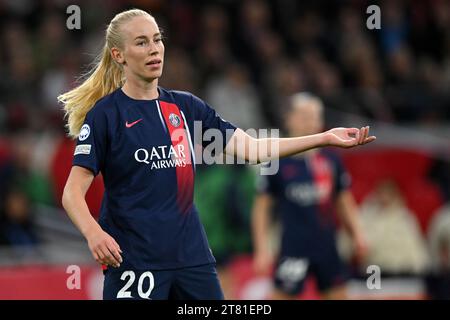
(210, 119)
(343, 179)
(266, 184)
(91, 144)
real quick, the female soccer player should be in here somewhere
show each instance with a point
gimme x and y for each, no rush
(309, 192)
(138, 135)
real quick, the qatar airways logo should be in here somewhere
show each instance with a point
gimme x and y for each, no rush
(162, 157)
(201, 146)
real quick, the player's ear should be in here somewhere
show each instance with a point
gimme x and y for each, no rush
(117, 55)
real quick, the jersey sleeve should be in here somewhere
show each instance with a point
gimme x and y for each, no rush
(91, 143)
(343, 178)
(266, 184)
(210, 119)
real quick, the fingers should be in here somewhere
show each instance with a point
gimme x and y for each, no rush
(354, 135)
(99, 256)
(96, 257)
(108, 257)
(370, 139)
(105, 249)
(367, 138)
(113, 251)
(116, 254)
(108, 253)
(364, 136)
(353, 131)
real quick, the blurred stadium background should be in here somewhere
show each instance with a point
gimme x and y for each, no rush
(253, 53)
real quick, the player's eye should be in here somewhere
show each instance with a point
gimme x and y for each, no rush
(158, 40)
(140, 43)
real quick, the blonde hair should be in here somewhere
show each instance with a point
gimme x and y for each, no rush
(104, 77)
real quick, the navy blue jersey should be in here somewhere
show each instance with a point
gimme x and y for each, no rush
(144, 150)
(305, 190)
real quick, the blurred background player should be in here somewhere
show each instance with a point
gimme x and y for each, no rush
(307, 190)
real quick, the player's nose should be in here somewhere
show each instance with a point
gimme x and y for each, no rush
(153, 49)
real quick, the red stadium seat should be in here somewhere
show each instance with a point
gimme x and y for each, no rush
(408, 168)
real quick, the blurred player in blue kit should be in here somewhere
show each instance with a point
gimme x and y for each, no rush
(305, 193)
(149, 238)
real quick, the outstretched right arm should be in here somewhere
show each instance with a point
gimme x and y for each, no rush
(104, 248)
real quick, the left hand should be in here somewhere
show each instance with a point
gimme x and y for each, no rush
(348, 137)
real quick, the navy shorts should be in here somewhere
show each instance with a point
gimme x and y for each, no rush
(190, 283)
(292, 272)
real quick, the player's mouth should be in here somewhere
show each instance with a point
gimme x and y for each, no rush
(154, 64)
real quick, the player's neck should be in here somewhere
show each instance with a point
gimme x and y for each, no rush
(141, 90)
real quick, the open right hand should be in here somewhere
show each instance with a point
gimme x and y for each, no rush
(348, 137)
(104, 248)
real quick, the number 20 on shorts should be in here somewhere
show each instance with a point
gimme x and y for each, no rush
(125, 293)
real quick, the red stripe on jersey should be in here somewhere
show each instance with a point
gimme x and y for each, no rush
(178, 135)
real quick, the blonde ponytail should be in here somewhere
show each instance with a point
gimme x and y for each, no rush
(105, 77)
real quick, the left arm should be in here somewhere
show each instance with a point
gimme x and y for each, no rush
(348, 212)
(256, 150)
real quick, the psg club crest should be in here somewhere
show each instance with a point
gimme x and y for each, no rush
(174, 119)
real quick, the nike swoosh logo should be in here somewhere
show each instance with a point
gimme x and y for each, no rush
(129, 125)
